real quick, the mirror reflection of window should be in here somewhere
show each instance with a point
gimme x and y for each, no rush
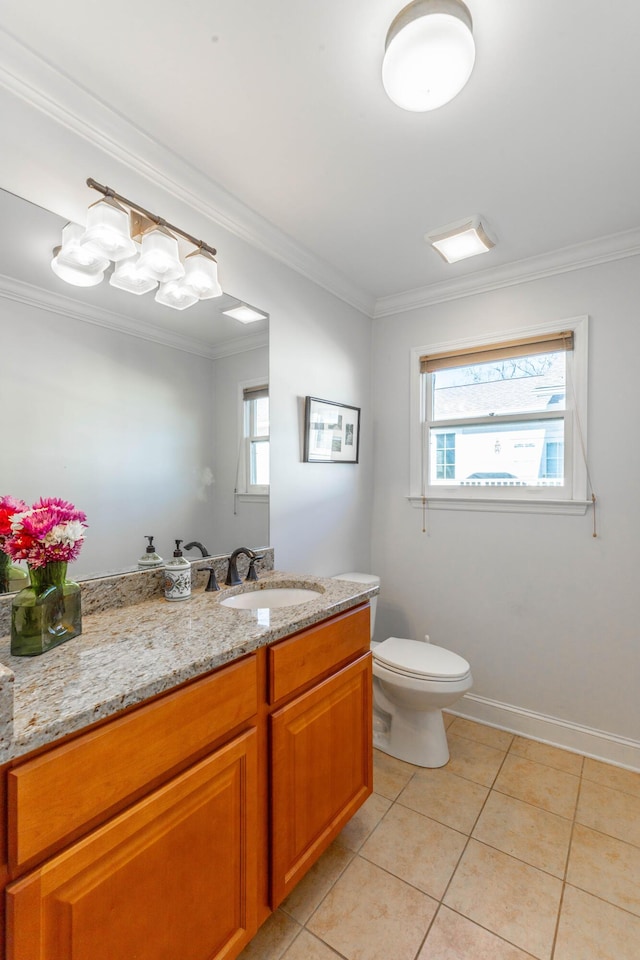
(256, 438)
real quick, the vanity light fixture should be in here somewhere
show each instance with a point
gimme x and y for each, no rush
(74, 263)
(245, 314)
(460, 240)
(429, 54)
(114, 227)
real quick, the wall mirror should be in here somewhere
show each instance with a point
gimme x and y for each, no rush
(131, 410)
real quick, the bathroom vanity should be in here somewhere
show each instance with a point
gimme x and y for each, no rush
(173, 825)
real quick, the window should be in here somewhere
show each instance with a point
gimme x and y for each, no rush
(503, 420)
(255, 412)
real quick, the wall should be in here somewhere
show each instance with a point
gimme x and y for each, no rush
(118, 425)
(240, 521)
(547, 615)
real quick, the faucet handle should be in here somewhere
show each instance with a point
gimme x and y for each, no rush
(251, 573)
(212, 583)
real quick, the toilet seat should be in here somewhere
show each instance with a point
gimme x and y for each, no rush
(412, 658)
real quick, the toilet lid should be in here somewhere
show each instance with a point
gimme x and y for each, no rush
(420, 659)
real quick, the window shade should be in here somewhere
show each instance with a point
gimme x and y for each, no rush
(529, 346)
(255, 393)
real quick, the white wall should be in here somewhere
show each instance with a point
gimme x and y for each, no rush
(548, 616)
(119, 426)
(236, 522)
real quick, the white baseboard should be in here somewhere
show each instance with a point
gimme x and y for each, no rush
(559, 733)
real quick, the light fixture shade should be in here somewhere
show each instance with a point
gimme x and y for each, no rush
(429, 54)
(245, 314)
(126, 276)
(175, 294)
(107, 233)
(74, 263)
(460, 240)
(159, 259)
(201, 275)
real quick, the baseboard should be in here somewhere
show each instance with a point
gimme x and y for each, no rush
(559, 733)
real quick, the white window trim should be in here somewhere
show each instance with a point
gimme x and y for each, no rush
(244, 492)
(507, 500)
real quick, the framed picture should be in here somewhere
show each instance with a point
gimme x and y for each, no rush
(332, 432)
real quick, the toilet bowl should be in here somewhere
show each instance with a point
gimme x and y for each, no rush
(412, 682)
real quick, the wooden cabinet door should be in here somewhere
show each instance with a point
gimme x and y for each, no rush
(174, 876)
(321, 770)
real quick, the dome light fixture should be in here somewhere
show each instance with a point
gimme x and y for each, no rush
(429, 54)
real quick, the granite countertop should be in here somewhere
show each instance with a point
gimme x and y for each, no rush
(128, 654)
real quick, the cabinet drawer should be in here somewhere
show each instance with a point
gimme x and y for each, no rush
(61, 794)
(315, 652)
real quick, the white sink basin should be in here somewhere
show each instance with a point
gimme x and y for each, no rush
(270, 598)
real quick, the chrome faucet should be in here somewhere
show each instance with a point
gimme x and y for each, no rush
(233, 577)
(201, 547)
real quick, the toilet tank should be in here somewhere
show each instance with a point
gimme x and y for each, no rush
(371, 580)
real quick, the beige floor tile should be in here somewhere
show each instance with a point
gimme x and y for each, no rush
(492, 737)
(606, 867)
(511, 899)
(591, 929)
(305, 897)
(445, 797)
(416, 849)
(545, 753)
(474, 761)
(363, 822)
(453, 937)
(609, 776)
(536, 783)
(370, 915)
(390, 775)
(448, 719)
(308, 947)
(272, 939)
(526, 832)
(609, 811)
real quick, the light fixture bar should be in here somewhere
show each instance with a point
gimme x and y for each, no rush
(159, 221)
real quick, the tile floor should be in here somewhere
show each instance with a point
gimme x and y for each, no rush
(513, 850)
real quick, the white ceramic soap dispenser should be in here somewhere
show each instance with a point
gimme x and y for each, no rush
(150, 558)
(177, 576)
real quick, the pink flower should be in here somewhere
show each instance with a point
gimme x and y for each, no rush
(50, 530)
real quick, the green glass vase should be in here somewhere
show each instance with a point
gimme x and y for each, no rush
(46, 613)
(12, 577)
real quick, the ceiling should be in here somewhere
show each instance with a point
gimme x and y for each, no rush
(281, 104)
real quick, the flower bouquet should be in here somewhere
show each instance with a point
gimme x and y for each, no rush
(47, 535)
(11, 577)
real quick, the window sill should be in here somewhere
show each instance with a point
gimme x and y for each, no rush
(570, 508)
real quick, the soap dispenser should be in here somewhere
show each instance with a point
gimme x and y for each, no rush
(150, 558)
(177, 576)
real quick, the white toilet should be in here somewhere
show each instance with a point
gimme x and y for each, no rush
(413, 681)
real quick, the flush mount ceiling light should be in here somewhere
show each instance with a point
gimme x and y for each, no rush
(245, 314)
(457, 241)
(429, 54)
(114, 224)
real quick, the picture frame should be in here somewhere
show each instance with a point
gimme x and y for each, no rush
(331, 432)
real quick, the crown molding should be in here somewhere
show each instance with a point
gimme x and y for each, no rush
(603, 250)
(31, 78)
(21, 292)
